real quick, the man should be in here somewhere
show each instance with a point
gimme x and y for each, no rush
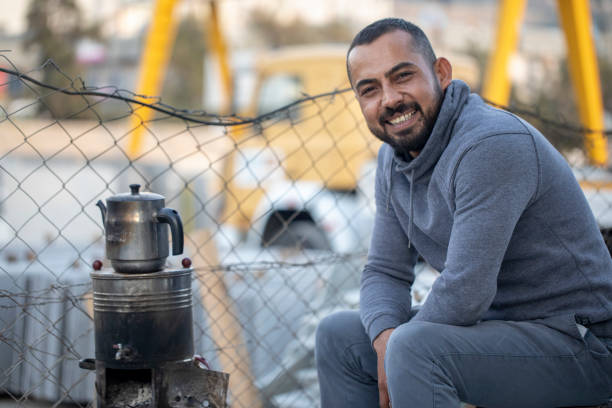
(521, 315)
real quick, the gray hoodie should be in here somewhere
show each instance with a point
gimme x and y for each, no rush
(496, 209)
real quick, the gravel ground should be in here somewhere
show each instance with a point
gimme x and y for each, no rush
(7, 401)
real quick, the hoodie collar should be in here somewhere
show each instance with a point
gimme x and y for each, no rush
(455, 97)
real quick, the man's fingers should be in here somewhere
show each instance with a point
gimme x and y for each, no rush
(383, 392)
(380, 345)
(383, 397)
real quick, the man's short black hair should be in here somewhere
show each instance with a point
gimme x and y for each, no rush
(376, 29)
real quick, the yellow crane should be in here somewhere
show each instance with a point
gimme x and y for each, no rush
(155, 57)
(153, 64)
(576, 23)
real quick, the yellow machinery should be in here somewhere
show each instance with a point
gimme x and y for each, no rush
(153, 65)
(576, 23)
(321, 141)
(156, 55)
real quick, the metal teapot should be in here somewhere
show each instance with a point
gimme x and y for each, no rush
(136, 237)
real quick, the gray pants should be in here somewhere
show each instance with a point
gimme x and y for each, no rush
(495, 364)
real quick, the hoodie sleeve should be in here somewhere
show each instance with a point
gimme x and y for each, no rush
(493, 183)
(389, 272)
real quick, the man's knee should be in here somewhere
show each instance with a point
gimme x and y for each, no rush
(414, 340)
(336, 332)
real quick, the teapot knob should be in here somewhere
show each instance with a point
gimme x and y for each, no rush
(134, 188)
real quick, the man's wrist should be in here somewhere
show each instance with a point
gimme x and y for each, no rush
(380, 342)
(382, 323)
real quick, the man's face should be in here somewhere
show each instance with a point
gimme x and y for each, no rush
(398, 91)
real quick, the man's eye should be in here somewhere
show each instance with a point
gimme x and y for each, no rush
(404, 75)
(367, 90)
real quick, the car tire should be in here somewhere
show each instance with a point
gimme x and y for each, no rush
(302, 235)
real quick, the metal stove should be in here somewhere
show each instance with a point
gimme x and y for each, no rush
(144, 354)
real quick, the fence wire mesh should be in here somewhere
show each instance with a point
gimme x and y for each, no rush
(277, 213)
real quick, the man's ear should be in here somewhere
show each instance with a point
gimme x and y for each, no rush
(444, 71)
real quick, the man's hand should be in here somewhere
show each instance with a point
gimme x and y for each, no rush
(380, 346)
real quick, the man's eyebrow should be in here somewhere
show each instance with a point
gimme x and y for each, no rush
(363, 82)
(398, 67)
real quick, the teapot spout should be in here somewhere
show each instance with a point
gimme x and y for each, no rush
(102, 207)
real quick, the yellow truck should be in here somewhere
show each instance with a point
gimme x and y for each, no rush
(290, 169)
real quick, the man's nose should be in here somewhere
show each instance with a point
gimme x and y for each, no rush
(391, 97)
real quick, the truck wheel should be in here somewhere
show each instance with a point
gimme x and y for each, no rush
(301, 234)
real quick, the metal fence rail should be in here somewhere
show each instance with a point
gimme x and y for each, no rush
(277, 211)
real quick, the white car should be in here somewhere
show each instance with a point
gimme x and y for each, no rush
(307, 215)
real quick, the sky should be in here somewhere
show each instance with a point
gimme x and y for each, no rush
(12, 19)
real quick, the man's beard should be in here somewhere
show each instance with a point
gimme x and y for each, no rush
(407, 141)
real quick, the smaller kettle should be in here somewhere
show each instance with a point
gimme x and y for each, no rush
(136, 231)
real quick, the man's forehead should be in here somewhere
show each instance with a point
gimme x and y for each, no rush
(388, 49)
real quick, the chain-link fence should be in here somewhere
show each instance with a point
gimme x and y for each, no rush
(277, 211)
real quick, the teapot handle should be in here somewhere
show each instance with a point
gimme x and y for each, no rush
(102, 207)
(172, 218)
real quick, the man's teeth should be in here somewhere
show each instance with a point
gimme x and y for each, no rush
(402, 118)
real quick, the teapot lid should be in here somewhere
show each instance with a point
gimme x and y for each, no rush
(135, 195)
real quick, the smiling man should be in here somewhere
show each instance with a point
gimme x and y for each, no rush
(521, 314)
